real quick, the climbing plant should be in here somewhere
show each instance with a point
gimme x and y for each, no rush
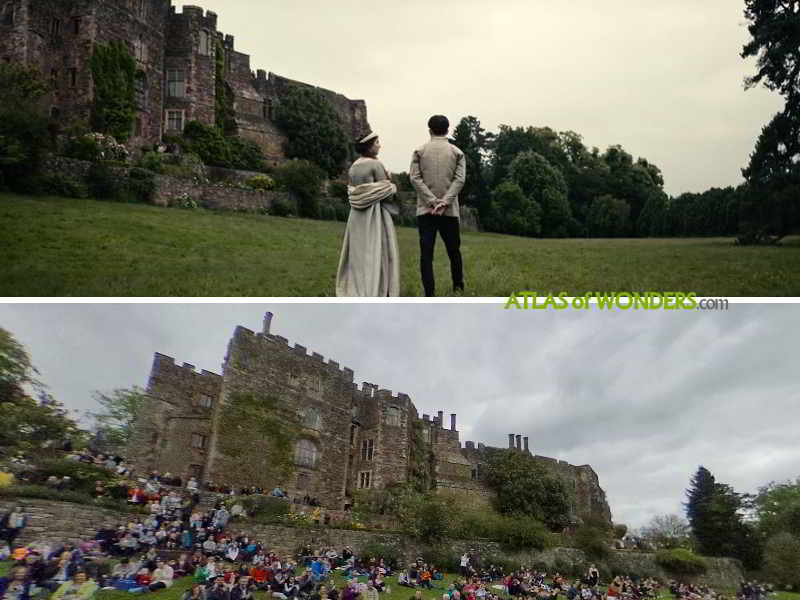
(114, 76)
(256, 439)
(225, 115)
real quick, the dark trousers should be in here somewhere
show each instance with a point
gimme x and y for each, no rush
(448, 228)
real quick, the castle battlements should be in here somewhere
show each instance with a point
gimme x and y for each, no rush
(346, 436)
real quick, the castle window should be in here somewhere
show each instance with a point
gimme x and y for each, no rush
(426, 435)
(305, 453)
(199, 441)
(205, 43)
(174, 120)
(140, 49)
(54, 112)
(76, 25)
(176, 84)
(73, 77)
(140, 84)
(54, 78)
(364, 480)
(367, 447)
(312, 418)
(474, 473)
(55, 27)
(137, 127)
(205, 401)
(393, 416)
(352, 434)
(7, 17)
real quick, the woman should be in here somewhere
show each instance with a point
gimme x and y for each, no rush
(79, 588)
(369, 264)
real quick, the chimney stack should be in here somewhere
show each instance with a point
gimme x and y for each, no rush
(441, 418)
(525, 441)
(453, 422)
(267, 322)
(510, 440)
(519, 442)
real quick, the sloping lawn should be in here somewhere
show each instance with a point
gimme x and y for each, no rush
(68, 247)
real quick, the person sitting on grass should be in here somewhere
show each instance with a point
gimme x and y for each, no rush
(196, 592)
(17, 586)
(80, 587)
(243, 590)
(162, 576)
(218, 591)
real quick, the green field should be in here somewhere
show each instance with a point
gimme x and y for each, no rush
(68, 247)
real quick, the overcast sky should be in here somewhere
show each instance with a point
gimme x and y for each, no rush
(661, 77)
(643, 397)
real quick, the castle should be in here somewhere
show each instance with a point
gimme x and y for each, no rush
(347, 437)
(176, 57)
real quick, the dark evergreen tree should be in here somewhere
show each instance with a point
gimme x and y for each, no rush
(474, 141)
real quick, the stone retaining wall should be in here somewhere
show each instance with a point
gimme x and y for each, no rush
(75, 522)
(171, 191)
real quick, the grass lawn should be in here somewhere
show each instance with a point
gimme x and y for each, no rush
(68, 247)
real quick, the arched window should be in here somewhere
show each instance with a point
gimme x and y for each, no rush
(312, 418)
(305, 453)
(393, 416)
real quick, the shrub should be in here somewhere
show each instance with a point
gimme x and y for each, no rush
(214, 148)
(83, 148)
(83, 475)
(522, 533)
(443, 557)
(281, 207)
(782, 560)
(103, 184)
(342, 211)
(152, 161)
(142, 184)
(44, 493)
(303, 179)
(680, 561)
(593, 541)
(263, 508)
(389, 553)
(261, 182)
(338, 189)
(505, 563)
(65, 185)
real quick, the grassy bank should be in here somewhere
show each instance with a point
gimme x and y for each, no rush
(68, 247)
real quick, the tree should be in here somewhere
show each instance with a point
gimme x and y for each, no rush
(771, 209)
(608, 217)
(777, 508)
(544, 184)
(713, 512)
(304, 180)
(314, 129)
(667, 531)
(775, 42)
(114, 76)
(114, 423)
(27, 424)
(782, 560)
(513, 212)
(474, 142)
(24, 130)
(524, 487)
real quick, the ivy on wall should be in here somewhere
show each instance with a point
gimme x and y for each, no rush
(256, 439)
(225, 115)
(421, 461)
(114, 75)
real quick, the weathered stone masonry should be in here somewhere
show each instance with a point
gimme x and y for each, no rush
(348, 437)
(176, 57)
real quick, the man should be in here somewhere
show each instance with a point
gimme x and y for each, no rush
(438, 172)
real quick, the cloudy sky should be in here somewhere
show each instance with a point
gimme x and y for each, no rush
(643, 397)
(661, 77)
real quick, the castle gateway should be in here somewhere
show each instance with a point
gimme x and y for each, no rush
(179, 58)
(281, 416)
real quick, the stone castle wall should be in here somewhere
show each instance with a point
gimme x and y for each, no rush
(360, 437)
(58, 36)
